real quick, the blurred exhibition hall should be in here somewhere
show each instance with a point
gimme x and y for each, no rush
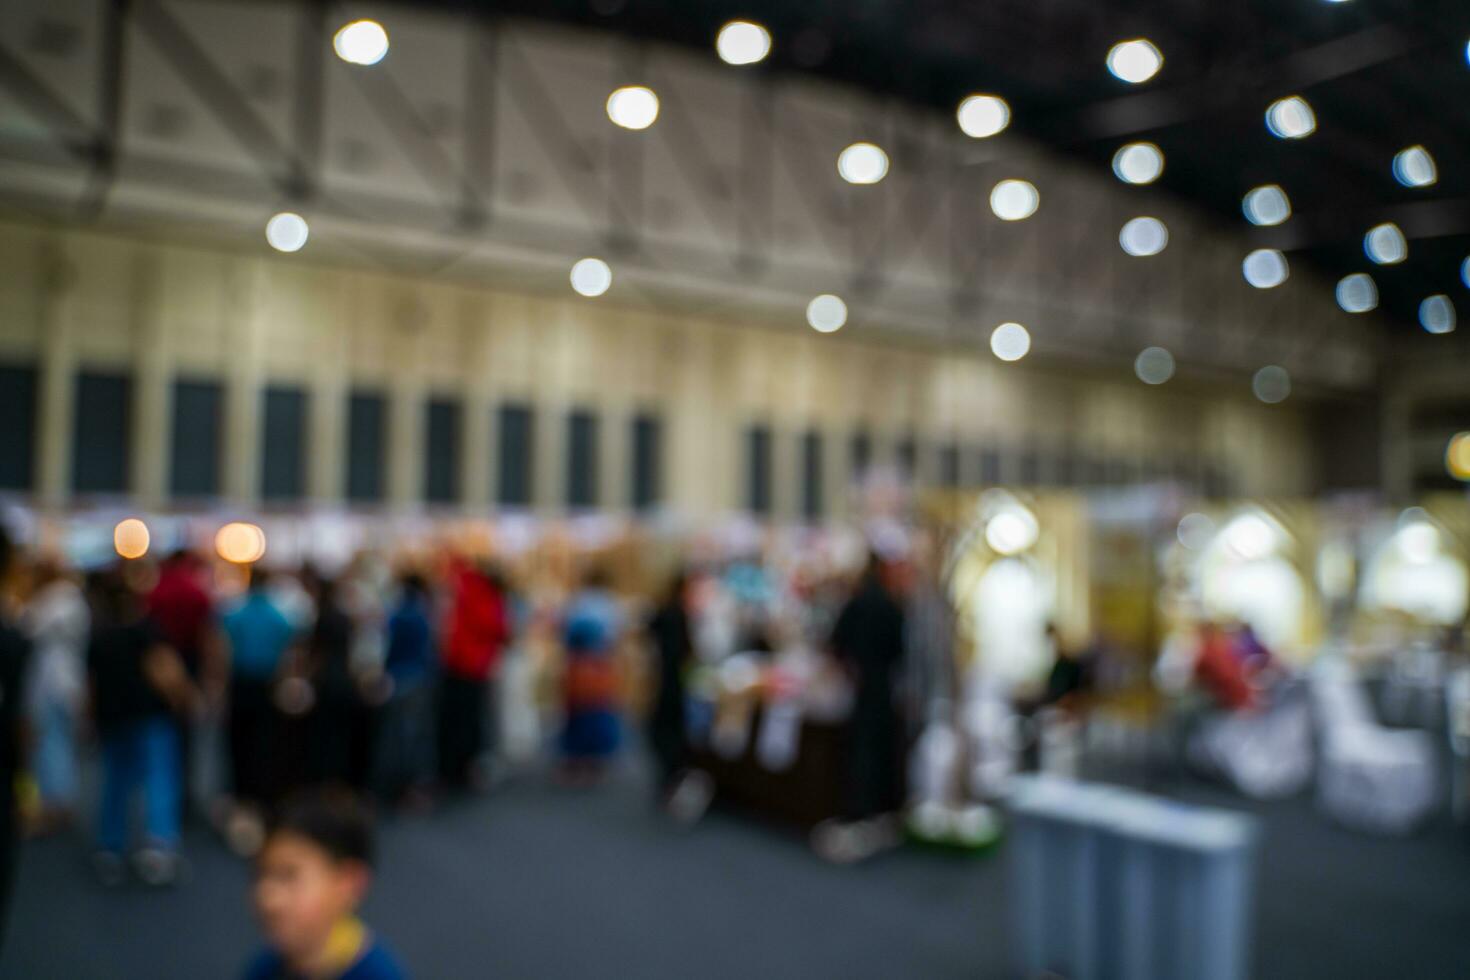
(853, 489)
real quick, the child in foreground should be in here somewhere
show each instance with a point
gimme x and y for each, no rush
(312, 873)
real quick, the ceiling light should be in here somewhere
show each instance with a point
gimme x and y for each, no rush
(1291, 118)
(1414, 167)
(633, 106)
(1357, 293)
(983, 115)
(1135, 61)
(1014, 200)
(362, 42)
(1271, 384)
(742, 42)
(826, 313)
(1138, 163)
(1386, 245)
(1437, 314)
(286, 232)
(1144, 236)
(1267, 205)
(1265, 268)
(1010, 342)
(863, 163)
(591, 277)
(1154, 366)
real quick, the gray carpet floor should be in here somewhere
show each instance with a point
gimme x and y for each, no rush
(540, 881)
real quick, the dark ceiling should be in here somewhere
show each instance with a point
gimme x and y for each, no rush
(1381, 75)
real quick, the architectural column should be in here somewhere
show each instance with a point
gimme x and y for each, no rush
(57, 377)
(151, 432)
(244, 331)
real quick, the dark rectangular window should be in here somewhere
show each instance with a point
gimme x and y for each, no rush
(516, 455)
(861, 452)
(441, 451)
(283, 444)
(194, 454)
(581, 459)
(1069, 468)
(811, 475)
(100, 433)
(18, 431)
(647, 486)
(367, 420)
(908, 458)
(949, 466)
(990, 466)
(1030, 468)
(758, 469)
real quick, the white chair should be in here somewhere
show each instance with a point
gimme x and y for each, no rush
(1368, 777)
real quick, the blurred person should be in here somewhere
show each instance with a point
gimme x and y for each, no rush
(58, 621)
(591, 628)
(138, 684)
(407, 747)
(184, 614)
(1071, 675)
(869, 638)
(685, 794)
(312, 874)
(15, 649)
(334, 716)
(477, 629)
(259, 638)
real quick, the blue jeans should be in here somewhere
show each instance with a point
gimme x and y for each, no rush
(141, 753)
(54, 759)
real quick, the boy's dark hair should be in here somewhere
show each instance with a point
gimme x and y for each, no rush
(333, 819)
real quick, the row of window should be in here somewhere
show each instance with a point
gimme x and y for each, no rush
(102, 436)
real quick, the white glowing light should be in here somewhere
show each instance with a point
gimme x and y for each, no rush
(1138, 163)
(1437, 314)
(1250, 537)
(1465, 273)
(1195, 531)
(1271, 384)
(1010, 342)
(1265, 268)
(633, 106)
(1291, 118)
(980, 116)
(742, 42)
(863, 163)
(1014, 200)
(240, 543)
(1267, 205)
(1357, 293)
(1418, 542)
(1144, 236)
(591, 277)
(1011, 531)
(1386, 245)
(286, 232)
(826, 313)
(1154, 366)
(362, 42)
(1414, 167)
(1135, 61)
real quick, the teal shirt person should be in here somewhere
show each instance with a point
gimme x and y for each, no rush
(259, 634)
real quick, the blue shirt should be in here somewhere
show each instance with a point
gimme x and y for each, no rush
(259, 635)
(376, 963)
(410, 642)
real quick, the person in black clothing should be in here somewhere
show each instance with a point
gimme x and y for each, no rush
(869, 638)
(669, 630)
(335, 714)
(14, 652)
(138, 683)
